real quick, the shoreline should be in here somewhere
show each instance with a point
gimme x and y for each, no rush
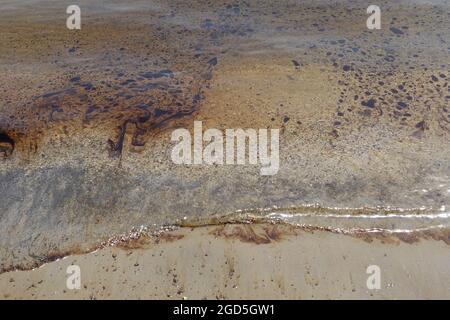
(231, 262)
(141, 237)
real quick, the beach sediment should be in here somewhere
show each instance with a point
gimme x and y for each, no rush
(86, 118)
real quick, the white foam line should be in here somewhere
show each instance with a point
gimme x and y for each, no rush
(444, 215)
(377, 230)
(440, 226)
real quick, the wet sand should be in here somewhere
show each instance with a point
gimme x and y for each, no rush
(86, 119)
(243, 262)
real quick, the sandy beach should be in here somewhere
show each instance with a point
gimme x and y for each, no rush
(244, 262)
(86, 118)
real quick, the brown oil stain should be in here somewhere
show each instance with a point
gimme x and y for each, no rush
(168, 237)
(258, 233)
(48, 258)
(410, 237)
(140, 113)
(248, 234)
(134, 87)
